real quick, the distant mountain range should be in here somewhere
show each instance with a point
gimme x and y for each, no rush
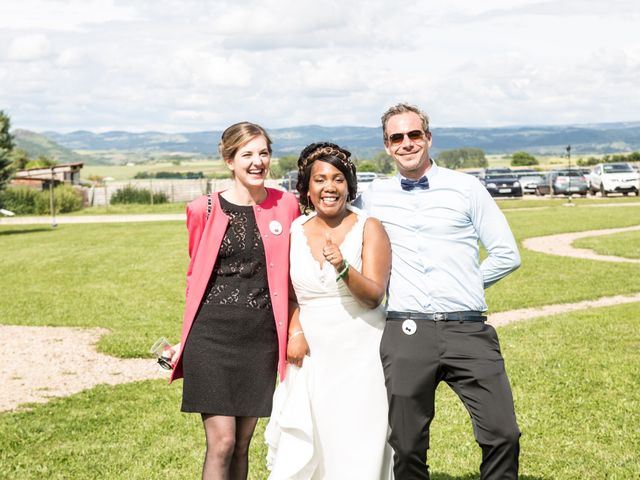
(36, 144)
(364, 142)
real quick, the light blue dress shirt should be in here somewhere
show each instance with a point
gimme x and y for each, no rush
(434, 237)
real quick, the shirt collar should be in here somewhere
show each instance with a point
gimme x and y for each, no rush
(430, 174)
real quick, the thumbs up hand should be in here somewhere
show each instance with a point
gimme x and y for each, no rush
(332, 253)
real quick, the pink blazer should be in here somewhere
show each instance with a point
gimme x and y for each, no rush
(273, 216)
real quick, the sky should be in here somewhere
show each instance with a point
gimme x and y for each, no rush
(196, 65)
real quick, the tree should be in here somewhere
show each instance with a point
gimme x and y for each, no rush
(41, 162)
(284, 165)
(523, 159)
(383, 162)
(6, 146)
(288, 162)
(19, 158)
(366, 166)
(463, 158)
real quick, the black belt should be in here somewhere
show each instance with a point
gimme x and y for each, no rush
(439, 316)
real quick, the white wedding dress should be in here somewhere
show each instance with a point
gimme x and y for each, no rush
(340, 386)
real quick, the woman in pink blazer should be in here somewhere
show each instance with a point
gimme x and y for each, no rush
(234, 332)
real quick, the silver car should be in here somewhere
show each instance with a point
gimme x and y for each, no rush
(530, 182)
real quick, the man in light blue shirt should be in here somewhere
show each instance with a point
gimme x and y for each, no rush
(435, 330)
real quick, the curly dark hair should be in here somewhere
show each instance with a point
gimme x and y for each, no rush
(332, 154)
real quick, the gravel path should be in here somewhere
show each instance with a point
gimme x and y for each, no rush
(504, 318)
(48, 362)
(561, 245)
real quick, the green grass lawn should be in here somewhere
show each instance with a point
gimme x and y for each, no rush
(626, 244)
(130, 277)
(574, 376)
(131, 209)
(126, 277)
(538, 202)
(574, 379)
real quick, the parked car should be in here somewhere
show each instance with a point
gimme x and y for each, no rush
(364, 180)
(530, 182)
(475, 173)
(563, 182)
(609, 178)
(496, 171)
(525, 172)
(502, 184)
(289, 181)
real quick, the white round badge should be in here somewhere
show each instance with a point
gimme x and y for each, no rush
(409, 327)
(275, 227)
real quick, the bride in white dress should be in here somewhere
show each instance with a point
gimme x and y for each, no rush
(330, 416)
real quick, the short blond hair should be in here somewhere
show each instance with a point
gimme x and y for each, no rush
(403, 108)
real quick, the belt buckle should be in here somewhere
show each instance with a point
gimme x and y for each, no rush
(439, 317)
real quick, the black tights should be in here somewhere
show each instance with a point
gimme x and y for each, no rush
(228, 439)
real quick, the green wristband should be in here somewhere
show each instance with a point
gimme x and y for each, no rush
(344, 271)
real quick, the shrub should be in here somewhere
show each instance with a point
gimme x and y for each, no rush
(631, 157)
(523, 159)
(463, 158)
(67, 199)
(19, 200)
(29, 201)
(169, 175)
(220, 176)
(131, 194)
(366, 166)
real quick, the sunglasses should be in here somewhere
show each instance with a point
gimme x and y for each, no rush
(414, 136)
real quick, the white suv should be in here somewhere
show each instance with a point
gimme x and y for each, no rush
(614, 178)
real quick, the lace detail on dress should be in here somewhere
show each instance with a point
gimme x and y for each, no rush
(240, 275)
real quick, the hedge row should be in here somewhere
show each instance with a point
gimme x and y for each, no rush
(29, 201)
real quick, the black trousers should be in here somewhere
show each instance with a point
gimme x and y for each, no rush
(466, 355)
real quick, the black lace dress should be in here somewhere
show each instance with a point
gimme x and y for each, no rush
(231, 355)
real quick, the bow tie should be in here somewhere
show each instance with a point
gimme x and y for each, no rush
(407, 184)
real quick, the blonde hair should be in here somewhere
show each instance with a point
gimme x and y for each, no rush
(237, 135)
(403, 108)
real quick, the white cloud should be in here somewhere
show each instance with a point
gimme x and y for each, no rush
(72, 57)
(29, 48)
(192, 65)
(62, 15)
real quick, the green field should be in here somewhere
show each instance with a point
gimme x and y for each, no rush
(127, 172)
(546, 162)
(574, 375)
(626, 244)
(128, 166)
